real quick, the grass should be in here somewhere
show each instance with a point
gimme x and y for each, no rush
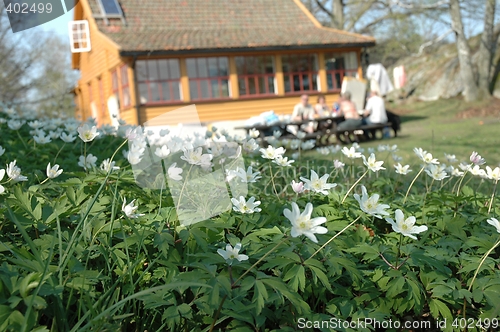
(434, 127)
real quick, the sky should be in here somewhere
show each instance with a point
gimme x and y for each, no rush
(56, 26)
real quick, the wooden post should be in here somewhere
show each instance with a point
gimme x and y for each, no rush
(322, 72)
(233, 78)
(360, 68)
(186, 96)
(280, 83)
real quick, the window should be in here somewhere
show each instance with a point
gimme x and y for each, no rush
(159, 80)
(125, 100)
(110, 8)
(79, 36)
(255, 75)
(300, 73)
(208, 78)
(337, 66)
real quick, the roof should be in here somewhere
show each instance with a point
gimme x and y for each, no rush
(184, 26)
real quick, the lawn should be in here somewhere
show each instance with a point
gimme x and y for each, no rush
(434, 126)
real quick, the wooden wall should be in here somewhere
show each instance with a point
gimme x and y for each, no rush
(233, 109)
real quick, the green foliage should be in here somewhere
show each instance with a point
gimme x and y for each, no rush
(71, 260)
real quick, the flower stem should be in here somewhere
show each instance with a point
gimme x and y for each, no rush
(257, 262)
(411, 184)
(58, 152)
(327, 242)
(492, 196)
(272, 180)
(461, 180)
(399, 250)
(482, 261)
(355, 183)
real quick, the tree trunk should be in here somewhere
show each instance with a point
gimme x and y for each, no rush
(338, 14)
(487, 49)
(464, 53)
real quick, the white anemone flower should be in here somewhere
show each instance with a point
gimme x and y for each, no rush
(129, 209)
(425, 156)
(250, 145)
(298, 187)
(436, 172)
(14, 172)
(2, 173)
(15, 124)
(476, 159)
(53, 172)
(456, 172)
(451, 158)
(195, 156)
(405, 226)
(246, 177)
(243, 206)
(87, 162)
(162, 152)
(87, 133)
(231, 253)
(67, 138)
(318, 184)
(108, 166)
(271, 152)
(372, 164)
(492, 221)
(253, 133)
(302, 224)
(370, 204)
(41, 138)
(351, 152)
(175, 172)
(403, 170)
(493, 174)
(338, 164)
(282, 161)
(477, 171)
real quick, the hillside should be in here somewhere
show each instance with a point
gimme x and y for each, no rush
(435, 74)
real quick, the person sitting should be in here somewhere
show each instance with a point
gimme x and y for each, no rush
(375, 112)
(322, 109)
(349, 111)
(301, 112)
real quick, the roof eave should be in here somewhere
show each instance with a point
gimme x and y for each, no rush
(131, 53)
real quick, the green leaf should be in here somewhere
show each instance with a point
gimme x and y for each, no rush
(439, 309)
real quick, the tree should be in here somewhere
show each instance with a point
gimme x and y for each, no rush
(464, 53)
(35, 72)
(374, 16)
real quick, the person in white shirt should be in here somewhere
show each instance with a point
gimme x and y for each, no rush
(303, 110)
(375, 110)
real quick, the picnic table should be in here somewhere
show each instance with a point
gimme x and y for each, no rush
(327, 127)
(323, 124)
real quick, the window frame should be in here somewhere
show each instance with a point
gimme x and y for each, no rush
(255, 77)
(313, 74)
(79, 35)
(342, 72)
(159, 81)
(219, 79)
(124, 86)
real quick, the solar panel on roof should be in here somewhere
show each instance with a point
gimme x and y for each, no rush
(111, 7)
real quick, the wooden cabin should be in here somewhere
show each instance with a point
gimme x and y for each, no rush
(233, 59)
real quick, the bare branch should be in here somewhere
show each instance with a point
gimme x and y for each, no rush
(407, 6)
(431, 42)
(323, 8)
